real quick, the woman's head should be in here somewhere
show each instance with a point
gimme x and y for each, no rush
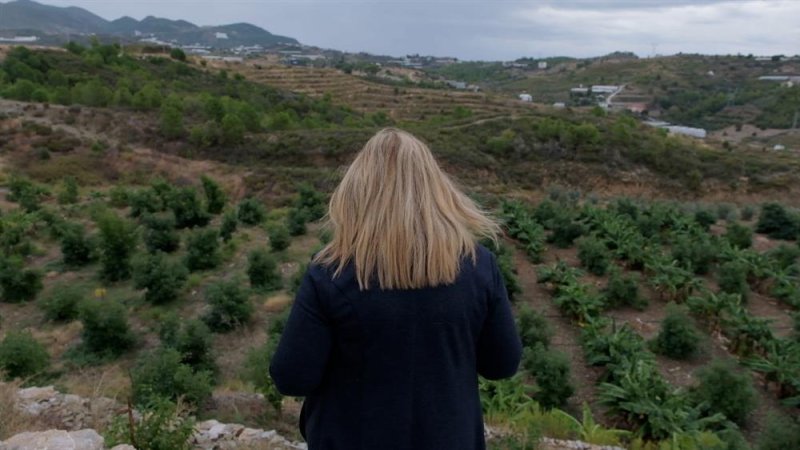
(400, 219)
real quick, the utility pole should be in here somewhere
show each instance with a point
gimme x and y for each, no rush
(796, 117)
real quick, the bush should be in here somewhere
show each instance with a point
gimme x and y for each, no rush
(723, 389)
(62, 303)
(623, 290)
(117, 243)
(202, 250)
(256, 371)
(279, 238)
(781, 433)
(163, 425)
(594, 255)
(162, 279)
(784, 256)
(778, 223)
(739, 236)
(534, 329)
(69, 191)
(105, 327)
(296, 221)
(678, 338)
(18, 284)
(748, 212)
(694, 252)
(22, 356)
(215, 196)
(76, 249)
(262, 269)
(733, 278)
(550, 369)
(193, 341)
(161, 375)
(188, 209)
(230, 306)
(705, 218)
(160, 233)
(251, 212)
(228, 226)
(311, 201)
(565, 230)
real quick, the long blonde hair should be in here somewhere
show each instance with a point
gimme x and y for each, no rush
(396, 215)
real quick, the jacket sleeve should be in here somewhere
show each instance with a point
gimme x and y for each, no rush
(499, 346)
(298, 366)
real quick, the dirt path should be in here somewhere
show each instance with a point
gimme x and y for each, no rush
(566, 336)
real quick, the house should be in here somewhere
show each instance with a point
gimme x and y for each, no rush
(779, 147)
(604, 89)
(579, 90)
(220, 35)
(542, 65)
(525, 97)
(559, 105)
(20, 39)
(456, 84)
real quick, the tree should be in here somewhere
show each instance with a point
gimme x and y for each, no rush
(76, 248)
(160, 233)
(161, 279)
(228, 226)
(177, 54)
(117, 242)
(778, 223)
(22, 356)
(105, 327)
(739, 236)
(678, 338)
(171, 121)
(296, 221)
(62, 303)
(69, 191)
(594, 255)
(232, 129)
(230, 306)
(188, 208)
(215, 196)
(193, 340)
(724, 389)
(18, 284)
(262, 269)
(162, 375)
(251, 211)
(279, 238)
(550, 369)
(202, 250)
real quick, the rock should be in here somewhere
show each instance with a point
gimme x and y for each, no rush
(123, 447)
(55, 440)
(211, 434)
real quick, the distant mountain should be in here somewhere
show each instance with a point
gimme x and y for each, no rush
(27, 16)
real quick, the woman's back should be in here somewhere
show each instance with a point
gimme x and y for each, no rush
(396, 369)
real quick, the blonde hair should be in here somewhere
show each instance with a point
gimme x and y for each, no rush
(398, 217)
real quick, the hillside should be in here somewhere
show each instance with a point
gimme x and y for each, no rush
(29, 17)
(155, 215)
(696, 90)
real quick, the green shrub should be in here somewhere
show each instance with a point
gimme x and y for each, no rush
(25, 192)
(76, 248)
(117, 243)
(705, 218)
(534, 329)
(594, 255)
(230, 306)
(69, 191)
(784, 255)
(251, 212)
(215, 196)
(18, 284)
(105, 327)
(202, 250)
(144, 201)
(623, 290)
(194, 342)
(678, 338)
(62, 303)
(188, 209)
(162, 425)
(778, 223)
(565, 230)
(162, 280)
(22, 356)
(228, 226)
(262, 269)
(296, 221)
(748, 212)
(160, 233)
(310, 201)
(723, 389)
(739, 236)
(694, 252)
(732, 278)
(118, 196)
(505, 263)
(279, 238)
(780, 433)
(256, 371)
(550, 369)
(161, 375)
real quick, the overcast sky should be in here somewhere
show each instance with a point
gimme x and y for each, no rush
(498, 29)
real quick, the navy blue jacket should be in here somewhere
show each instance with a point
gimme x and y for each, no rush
(396, 369)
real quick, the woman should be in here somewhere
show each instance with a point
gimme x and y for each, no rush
(398, 315)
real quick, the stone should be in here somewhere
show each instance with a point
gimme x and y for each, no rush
(55, 440)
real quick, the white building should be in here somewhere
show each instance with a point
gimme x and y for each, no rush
(779, 147)
(20, 39)
(221, 35)
(525, 97)
(604, 89)
(559, 105)
(542, 65)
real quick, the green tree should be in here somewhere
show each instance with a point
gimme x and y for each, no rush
(171, 121)
(162, 375)
(678, 337)
(230, 306)
(215, 196)
(22, 356)
(777, 222)
(160, 233)
(251, 211)
(177, 54)
(724, 389)
(202, 250)
(232, 130)
(62, 305)
(105, 327)
(279, 238)
(76, 248)
(193, 340)
(69, 191)
(188, 209)
(262, 269)
(551, 371)
(18, 284)
(118, 239)
(162, 279)
(228, 226)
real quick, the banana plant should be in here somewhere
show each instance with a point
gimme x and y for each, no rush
(589, 431)
(781, 366)
(748, 334)
(577, 301)
(670, 280)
